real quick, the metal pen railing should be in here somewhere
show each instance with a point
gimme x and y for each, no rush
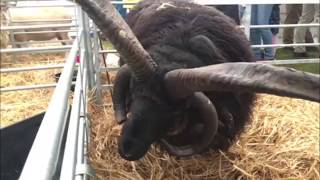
(73, 165)
(32, 27)
(51, 148)
(35, 68)
(73, 152)
(48, 49)
(49, 145)
(29, 87)
(43, 156)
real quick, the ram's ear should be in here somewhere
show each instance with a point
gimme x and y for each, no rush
(202, 46)
(244, 77)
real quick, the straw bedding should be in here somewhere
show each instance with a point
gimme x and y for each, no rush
(18, 105)
(281, 142)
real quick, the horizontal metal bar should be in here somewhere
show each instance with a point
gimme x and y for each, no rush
(41, 20)
(284, 25)
(230, 2)
(43, 156)
(253, 46)
(280, 26)
(277, 26)
(30, 87)
(286, 45)
(109, 69)
(287, 61)
(107, 86)
(123, 3)
(48, 49)
(292, 61)
(7, 28)
(284, 61)
(206, 2)
(108, 51)
(64, 5)
(37, 32)
(22, 69)
(39, 6)
(41, 42)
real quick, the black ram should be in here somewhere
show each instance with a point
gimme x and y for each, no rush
(189, 80)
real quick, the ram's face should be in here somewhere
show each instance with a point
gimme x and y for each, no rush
(149, 121)
(146, 123)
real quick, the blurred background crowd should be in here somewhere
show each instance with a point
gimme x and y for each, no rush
(268, 14)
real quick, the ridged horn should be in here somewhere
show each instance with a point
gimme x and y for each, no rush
(110, 22)
(208, 115)
(244, 77)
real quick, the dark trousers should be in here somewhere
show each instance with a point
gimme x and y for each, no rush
(293, 14)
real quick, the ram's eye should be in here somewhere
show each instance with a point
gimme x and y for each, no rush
(129, 115)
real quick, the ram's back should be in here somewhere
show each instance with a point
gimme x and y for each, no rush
(165, 27)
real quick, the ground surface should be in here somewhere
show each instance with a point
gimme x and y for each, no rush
(281, 142)
(18, 105)
(289, 54)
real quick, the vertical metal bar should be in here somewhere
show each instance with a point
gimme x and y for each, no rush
(86, 44)
(62, 146)
(11, 35)
(13, 43)
(43, 156)
(97, 62)
(105, 63)
(83, 73)
(85, 120)
(12, 40)
(69, 159)
(80, 146)
(85, 135)
(247, 16)
(80, 153)
(85, 144)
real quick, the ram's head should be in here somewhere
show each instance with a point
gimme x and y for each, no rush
(168, 102)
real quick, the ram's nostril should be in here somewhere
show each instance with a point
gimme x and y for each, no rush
(127, 155)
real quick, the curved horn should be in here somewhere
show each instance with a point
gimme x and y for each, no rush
(111, 24)
(120, 89)
(208, 113)
(244, 77)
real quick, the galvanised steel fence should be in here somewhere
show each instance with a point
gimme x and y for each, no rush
(60, 148)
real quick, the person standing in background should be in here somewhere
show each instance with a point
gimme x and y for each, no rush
(310, 13)
(275, 20)
(293, 12)
(260, 15)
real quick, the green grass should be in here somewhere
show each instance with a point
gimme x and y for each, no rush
(288, 54)
(107, 45)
